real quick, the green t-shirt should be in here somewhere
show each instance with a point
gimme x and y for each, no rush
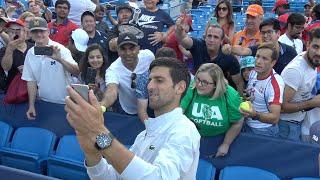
(212, 116)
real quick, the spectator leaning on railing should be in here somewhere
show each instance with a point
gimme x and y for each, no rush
(47, 75)
(213, 106)
(265, 91)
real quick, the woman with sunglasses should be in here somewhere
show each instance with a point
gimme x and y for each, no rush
(213, 106)
(93, 68)
(224, 14)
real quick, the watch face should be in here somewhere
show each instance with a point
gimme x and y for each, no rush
(103, 141)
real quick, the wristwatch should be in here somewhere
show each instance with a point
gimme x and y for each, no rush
(103, 141)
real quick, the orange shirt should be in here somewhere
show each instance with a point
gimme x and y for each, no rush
(240, 38)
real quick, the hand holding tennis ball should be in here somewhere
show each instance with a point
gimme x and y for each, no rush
(246, 106)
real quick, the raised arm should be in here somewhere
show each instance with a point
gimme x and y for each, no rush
(183, 38)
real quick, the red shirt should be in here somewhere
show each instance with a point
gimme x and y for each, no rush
(61, 32)
(172, 42)
(314, 24)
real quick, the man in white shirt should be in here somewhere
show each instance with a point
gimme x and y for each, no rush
(122, 74)
(295, 26)
(167, 149)
(45, 74)
(265, 88)
(300, 77)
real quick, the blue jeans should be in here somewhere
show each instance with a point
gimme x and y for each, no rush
(269, 131)
(289, 130)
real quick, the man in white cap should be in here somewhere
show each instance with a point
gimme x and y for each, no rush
(48, 74)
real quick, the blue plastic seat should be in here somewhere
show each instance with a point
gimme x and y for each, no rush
(245, 173)
(5, 133)
(67, 162)
(29, 149)
(205, 171)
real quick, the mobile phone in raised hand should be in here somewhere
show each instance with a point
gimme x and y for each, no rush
(46, 50)
(91, 76)
(82, 89)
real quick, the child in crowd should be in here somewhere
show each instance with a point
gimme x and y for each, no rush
(247, 64)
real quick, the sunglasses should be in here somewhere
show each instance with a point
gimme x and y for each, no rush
(223, 8)
(133, 80)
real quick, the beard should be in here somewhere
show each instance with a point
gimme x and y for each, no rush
(314, 63)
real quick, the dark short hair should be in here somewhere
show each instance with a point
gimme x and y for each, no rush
(177, 69)
(314, 34)
(296, 19)
(87, 13)
(316, 11)
(62, 2)
(273, 47)
(165, 52)
(209, 25)
(270, 21)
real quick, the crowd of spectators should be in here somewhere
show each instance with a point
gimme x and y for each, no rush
(273, 63)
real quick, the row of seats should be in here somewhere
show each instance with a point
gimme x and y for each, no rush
(33, 149)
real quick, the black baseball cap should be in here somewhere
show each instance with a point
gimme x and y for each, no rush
(127, 38)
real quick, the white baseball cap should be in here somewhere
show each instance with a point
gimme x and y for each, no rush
(80, 38)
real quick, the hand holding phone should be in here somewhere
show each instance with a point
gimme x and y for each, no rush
(91, 76)
(45, 50)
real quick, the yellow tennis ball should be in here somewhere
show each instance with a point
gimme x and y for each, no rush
(246, 105)
(103, 109)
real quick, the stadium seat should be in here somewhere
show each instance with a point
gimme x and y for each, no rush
(199, 16)
(29, 149)
(205, 171)
(245, 173)
(5, 133)
(305, 178)
(67, 162)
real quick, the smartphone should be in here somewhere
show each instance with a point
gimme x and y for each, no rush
(46, 50)
(110, 7)
(90, 76)
(16, 37)
(82, 89)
